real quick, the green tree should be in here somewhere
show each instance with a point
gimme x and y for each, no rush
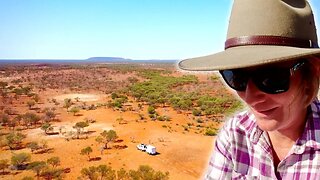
(33, 146)
(54, 161)
(18, 160)
(37, 167)
(90, 173)
(211, 131)
(151, 110)
(26, 90)
(196, 112)
(99, 139)
(3, 85)
(36, 98)
(77, 99)
(132, 80)
(67, 103)
(12, 124)
(4, 119)
(141, 116)
(31, 118)
(106, 172)
(74, 110)
(3, 140)
(46, 127)
(4, 164)
(9, 111)
(49, 114)
(14, 140)
(86, 151)
(18, 119)
(146, 172)
(4, 93)
(109, 136)
(134, 175)
(27, 178)
(122, 174)
(43, 144)
(51, 173)
(120, 120)
(31, 104)
(102, 172)
(79, 127)
(161, 176)
(114, 95)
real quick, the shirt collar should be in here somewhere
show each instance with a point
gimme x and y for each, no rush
(251, 127)
(311, 135)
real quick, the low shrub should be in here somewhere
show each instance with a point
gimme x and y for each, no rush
(210, 132)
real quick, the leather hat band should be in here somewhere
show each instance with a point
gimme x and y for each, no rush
(269, 40)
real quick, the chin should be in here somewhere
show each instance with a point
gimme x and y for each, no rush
(267, 124)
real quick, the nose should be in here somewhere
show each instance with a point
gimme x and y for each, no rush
(252, 95)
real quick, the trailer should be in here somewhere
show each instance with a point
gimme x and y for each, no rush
(151, 150)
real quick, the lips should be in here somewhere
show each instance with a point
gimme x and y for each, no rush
(266, 112)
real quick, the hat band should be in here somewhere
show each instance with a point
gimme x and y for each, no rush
(269, 40)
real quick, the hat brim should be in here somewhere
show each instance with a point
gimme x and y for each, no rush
(246, 56)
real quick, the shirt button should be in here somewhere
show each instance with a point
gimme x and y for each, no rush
(299, 150)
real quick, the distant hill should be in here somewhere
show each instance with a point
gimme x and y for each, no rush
(124, 60)
(107, 59)
(89, 60)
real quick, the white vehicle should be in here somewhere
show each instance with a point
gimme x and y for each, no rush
(151, 150)
(142, 147)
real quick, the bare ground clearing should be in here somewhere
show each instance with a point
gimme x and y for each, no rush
(82, 97)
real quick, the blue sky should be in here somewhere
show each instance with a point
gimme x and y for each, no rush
(136, 29)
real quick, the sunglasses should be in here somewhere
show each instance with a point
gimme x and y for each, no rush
(271, 80)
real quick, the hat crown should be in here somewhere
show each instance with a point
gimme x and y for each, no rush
(285, 18)
(262, 32)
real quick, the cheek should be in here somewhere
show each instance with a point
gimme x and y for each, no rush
(241, 95)
(297, 91)
(268, 100)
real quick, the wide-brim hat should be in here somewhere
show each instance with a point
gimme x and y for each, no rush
(262, 32)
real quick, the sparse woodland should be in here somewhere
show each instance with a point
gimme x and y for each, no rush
(149, 91)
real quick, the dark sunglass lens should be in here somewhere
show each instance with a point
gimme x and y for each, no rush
(236, 79)
(273, 81)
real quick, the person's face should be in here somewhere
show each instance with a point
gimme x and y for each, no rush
(276, 111)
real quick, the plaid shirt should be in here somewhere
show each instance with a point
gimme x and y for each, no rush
(243, 151)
